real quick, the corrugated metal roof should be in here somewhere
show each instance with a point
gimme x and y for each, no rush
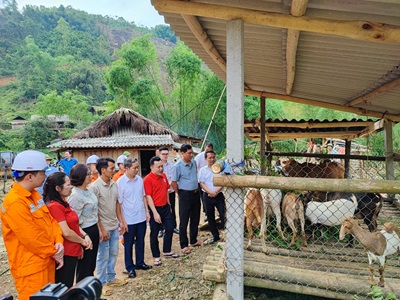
(333, 64)
(290, 129)
(116, 141)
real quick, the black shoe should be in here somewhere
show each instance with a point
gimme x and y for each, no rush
(176, 231)
(160, 234)
(132, 274)
(144, 267)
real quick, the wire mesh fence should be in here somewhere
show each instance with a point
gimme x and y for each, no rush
(315, 243)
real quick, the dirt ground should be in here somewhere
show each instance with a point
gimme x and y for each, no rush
(179, 278)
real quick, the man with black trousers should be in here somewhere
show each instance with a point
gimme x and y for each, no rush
(212, 196)
(184, 182)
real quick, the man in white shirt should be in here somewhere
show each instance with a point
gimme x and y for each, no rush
(168, 170)
(136, 214)
(200, 160)
(213, 196)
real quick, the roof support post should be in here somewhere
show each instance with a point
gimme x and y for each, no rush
(347, 151)
(388, 129)
(262, 136)
(235, 153)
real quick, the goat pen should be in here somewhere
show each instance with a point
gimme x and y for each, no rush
(324, 268)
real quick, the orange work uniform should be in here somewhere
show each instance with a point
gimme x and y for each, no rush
(94, 177)
(30, 234)
(118, 175)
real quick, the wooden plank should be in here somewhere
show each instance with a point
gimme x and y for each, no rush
(353, 29)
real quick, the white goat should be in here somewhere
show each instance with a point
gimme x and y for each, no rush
(330, 213)
(258, 204)
(378, 244)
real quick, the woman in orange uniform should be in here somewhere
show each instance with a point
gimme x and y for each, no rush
(32, 237)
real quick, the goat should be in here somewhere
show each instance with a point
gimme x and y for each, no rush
(330, 213)
(258, 204)
(293, 211)
(369, 205)
(378, 244)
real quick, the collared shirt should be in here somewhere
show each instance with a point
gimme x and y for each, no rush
(168, 171)
(200, 161)
(185, 174)
(157, 187)
(108, 197)
(131, 193)
(206, 176)
(86, 205)
(67, 164)
(29, 231)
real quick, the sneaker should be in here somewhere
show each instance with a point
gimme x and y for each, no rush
(160, 234)
(176, 231)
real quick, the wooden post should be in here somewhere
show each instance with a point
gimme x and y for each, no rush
(235, 153)
(347, 151)
(389, 150)
(262, 136)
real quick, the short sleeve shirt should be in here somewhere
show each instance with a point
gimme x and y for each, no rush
(156, 187)
(131, 193)
(185, 174)
(62, 213)
(86, 205)
(206, 176)
(108, 197)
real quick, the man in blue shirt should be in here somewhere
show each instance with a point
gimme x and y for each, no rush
(49, 171)
(184, 182)
(67, 162)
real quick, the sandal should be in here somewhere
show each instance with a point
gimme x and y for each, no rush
(171, 255)
(186, 250)
(157, 262)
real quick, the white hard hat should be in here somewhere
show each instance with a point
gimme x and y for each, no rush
(30, 160)
(120, 159)
(92, 159)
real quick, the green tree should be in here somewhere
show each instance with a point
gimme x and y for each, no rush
(37, 134)
(165, 32)
(69, 103)
(134, 82)
(184, 69)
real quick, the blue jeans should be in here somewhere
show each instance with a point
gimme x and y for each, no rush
(107, 258)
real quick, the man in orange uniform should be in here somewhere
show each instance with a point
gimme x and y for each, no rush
(120, 164)
(32, 237)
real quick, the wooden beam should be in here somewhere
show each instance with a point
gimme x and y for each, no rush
(299, 135)
(308, 184)
(354, 110)
(378, 125)
(383, 89)
(297, 9)
(204, 40)
(354, 29)
(198, 31)
(317, 125)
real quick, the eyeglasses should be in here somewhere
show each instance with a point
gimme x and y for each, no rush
(89, 174)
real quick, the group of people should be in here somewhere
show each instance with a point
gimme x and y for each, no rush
(62, 226)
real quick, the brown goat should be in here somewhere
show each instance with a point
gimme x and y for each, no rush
(293, 212)
(254, 215)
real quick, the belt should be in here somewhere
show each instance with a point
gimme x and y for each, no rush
(191, 191)
(162, 206)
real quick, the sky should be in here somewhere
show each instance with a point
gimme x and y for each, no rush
(139, 11)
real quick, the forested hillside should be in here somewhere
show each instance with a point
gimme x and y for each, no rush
(63, 61)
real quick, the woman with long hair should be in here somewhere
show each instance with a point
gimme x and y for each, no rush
(85, 203)
(55, 193)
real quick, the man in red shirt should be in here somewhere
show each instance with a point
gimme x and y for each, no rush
(156, 189)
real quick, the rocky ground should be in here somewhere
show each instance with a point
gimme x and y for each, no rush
(179, 278)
